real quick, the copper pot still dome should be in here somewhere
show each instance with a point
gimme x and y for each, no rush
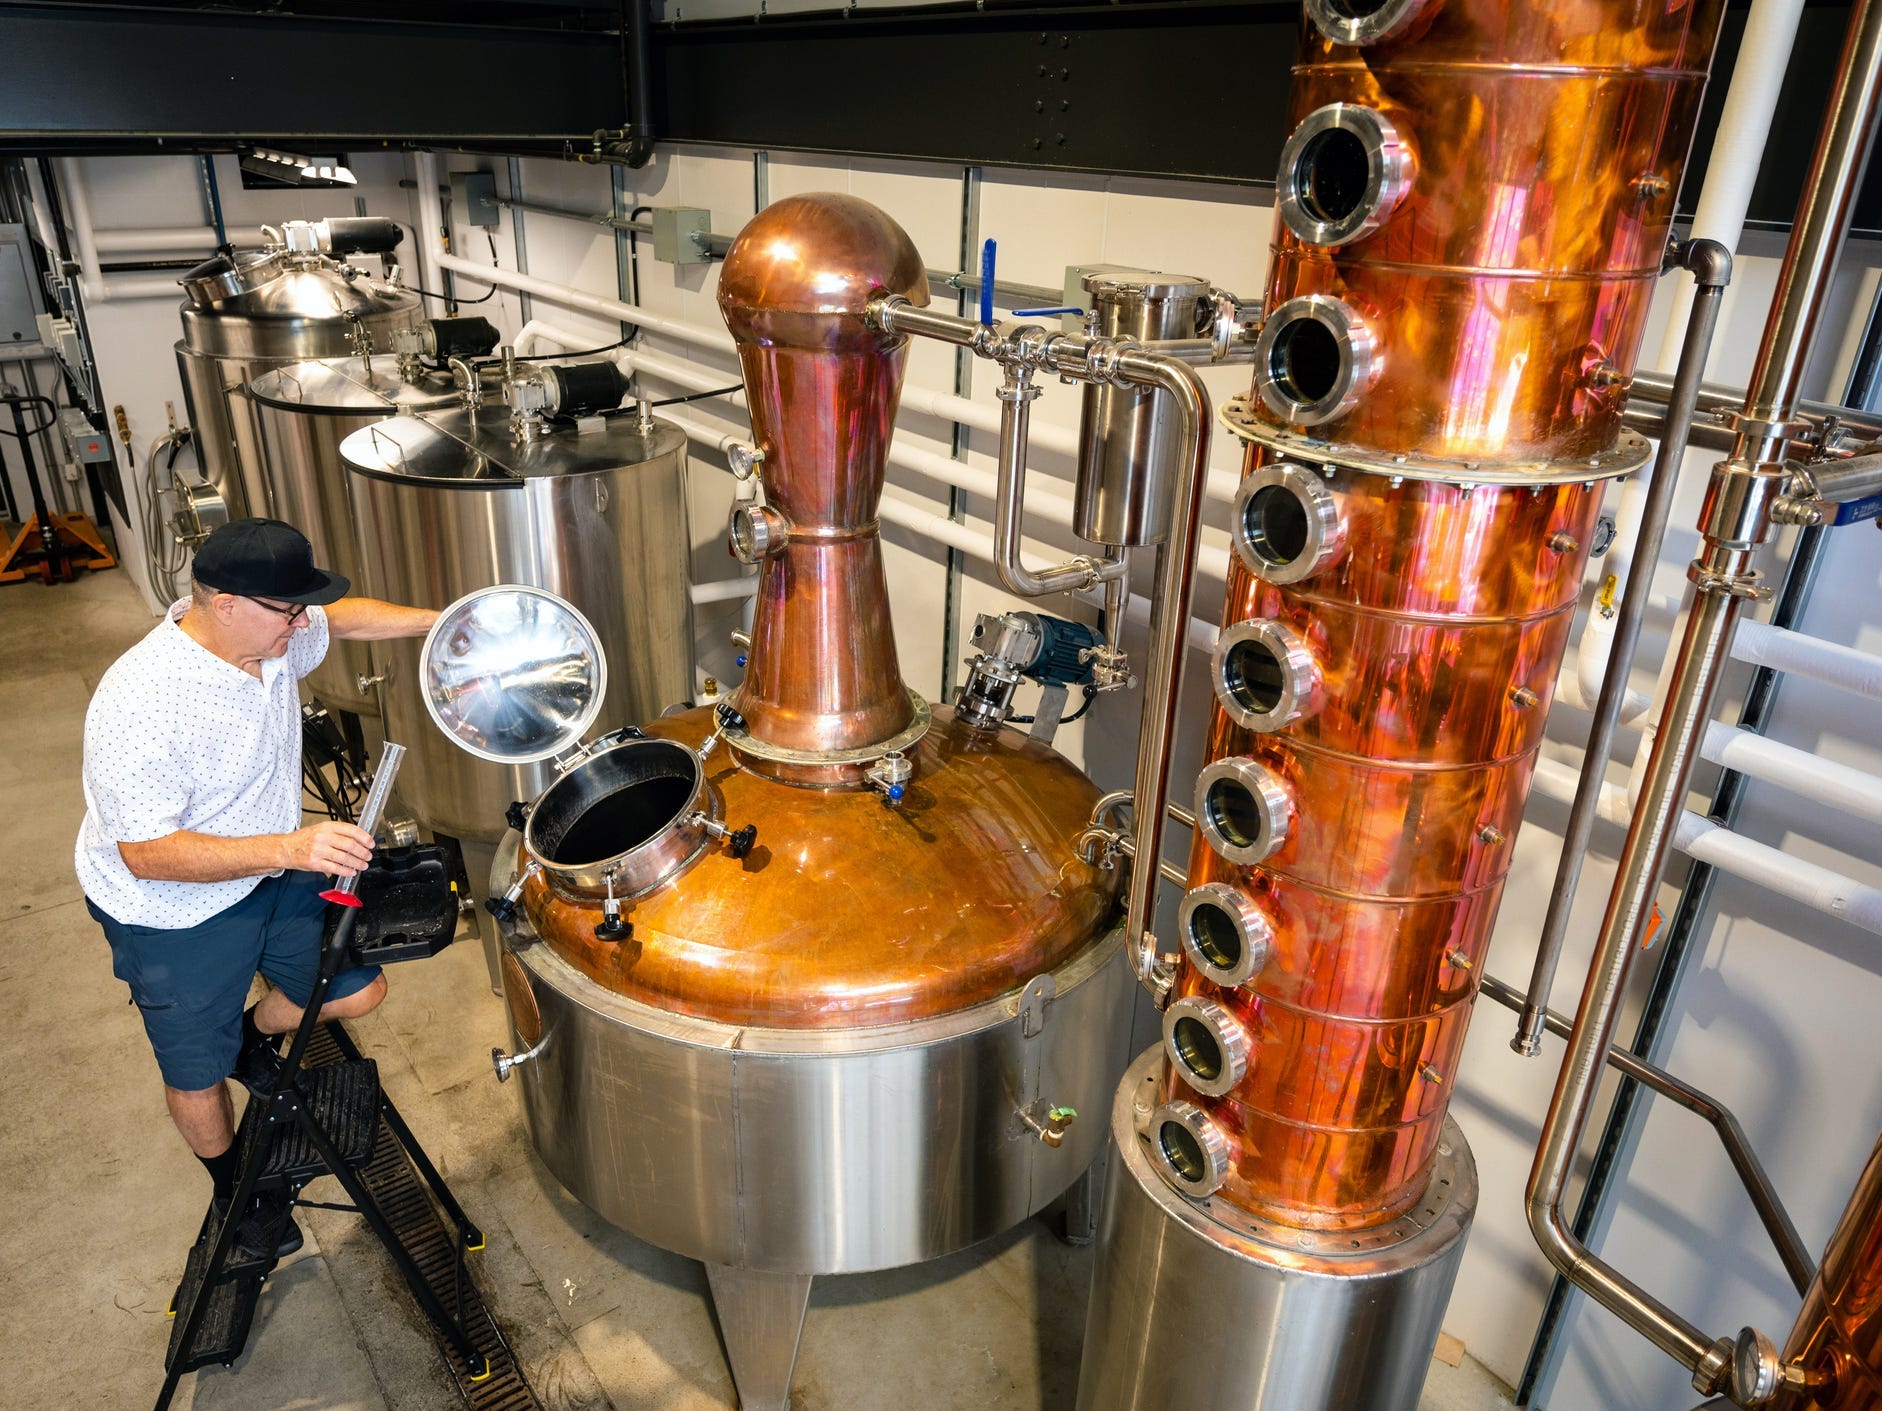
(769, 1016)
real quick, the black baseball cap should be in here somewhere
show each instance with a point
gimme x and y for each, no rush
(264, 558)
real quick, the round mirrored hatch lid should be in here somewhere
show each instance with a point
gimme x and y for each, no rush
(513, 674)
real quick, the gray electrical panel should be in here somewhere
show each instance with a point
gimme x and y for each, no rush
(20, 303)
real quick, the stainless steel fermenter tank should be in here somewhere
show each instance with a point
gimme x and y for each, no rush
(457, 501)
(257, 309)
(302, 412)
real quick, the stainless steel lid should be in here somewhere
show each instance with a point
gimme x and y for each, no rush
(351, 387)
(456, 450)
(513, 674)
(230, 276)
(1150, 284)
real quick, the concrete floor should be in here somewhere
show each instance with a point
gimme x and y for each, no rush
(102, 1198)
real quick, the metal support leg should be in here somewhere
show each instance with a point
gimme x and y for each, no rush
(478, 859)
(1078, 1219)
(761, 1319)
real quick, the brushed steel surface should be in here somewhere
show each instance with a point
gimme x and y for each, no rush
(512, 673)
(609, 536)
(819, 1151)
(761, 1318)
(1129, 441)
(290, 309)
(301, 413)
(1196, 1308)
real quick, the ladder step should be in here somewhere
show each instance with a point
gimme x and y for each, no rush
(344, 1100)
(223, 1331)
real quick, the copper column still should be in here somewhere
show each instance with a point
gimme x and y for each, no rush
(1471, 216)
(860, 1039)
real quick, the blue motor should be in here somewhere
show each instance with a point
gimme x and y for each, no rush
(1049, 650)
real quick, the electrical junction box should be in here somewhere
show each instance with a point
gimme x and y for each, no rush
(1076, 295)
(474, 198)
(61, 335)
(19, 290)
(88, 443)
(679, 235)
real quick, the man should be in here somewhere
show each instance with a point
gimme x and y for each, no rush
(192, 854)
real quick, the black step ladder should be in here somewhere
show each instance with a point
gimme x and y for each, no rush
(332, 1118)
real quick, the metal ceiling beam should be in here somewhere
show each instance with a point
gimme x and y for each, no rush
(87, 79)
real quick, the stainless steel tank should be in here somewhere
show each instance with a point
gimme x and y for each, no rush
(302, 412)
(255, 310)
(454, 502)
(1127, 451)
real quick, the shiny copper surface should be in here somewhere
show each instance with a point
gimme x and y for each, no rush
(823, 389)
(1838, 1334)
(850, 911)
(1503, 298)
(1512, 283)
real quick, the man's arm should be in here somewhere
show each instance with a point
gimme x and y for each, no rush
(370, 620)
(329, 846)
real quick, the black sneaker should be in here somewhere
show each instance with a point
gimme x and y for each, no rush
(266, 1233)
(258, 1066)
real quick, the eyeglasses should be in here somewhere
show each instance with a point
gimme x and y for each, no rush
(288, 610)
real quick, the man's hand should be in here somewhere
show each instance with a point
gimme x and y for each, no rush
(339, 849)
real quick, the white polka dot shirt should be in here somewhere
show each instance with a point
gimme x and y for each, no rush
(177, 739)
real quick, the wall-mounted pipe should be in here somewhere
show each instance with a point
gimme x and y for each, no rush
(1711, 267)
(92, 281)
(189, 241)
(1827, 663)
(1735, 521)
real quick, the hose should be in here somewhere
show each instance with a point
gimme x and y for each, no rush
(164, 555)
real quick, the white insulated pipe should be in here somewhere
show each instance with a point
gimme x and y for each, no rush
(1705, 841)
(1798, 654)
(92, 280)
(1810, 776)
(1738, 149)
(172, 241)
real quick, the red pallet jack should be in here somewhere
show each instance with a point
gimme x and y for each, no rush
(55, 547)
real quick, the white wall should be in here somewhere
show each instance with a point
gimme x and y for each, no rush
(1775, 1017)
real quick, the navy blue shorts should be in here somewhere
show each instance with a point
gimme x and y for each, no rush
(190, 983)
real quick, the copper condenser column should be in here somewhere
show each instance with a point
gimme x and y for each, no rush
(1472, 210)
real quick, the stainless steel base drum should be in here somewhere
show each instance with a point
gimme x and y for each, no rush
(451, 503)
(1321, 1320)
(302, 412)
(829, 1151)
(263, 308)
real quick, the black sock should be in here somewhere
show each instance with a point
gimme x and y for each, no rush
(222, 1171)
(251, 1036)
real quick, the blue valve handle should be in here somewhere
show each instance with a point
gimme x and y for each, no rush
(986, 283)
(895, 793)
(1047, 313)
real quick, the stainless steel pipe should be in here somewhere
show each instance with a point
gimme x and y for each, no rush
(1017, 394)
(1104, 360)
(1711, 266)
(1736, 520)
(1776, 1220)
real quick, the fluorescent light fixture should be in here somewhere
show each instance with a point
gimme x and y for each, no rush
(293, 169)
